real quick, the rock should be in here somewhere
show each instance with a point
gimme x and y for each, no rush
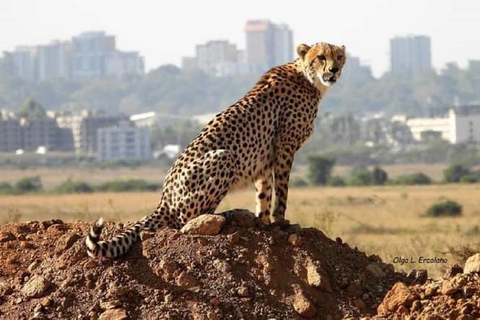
(317, 278)
(240, 217)
(452, 271)
(359, 304)
(222, 266)
(421, 276)
(295, 240)
(375, 270)
(35, 287)
(114, 314)
(5, 289)
(452, 286)
(398, 296)
(214, 302)
(65, 242)
(186, 281)
(233, 238)
(353, 290)
(7, 236)
(206, 224)
(303, 306)
(243, 292)
(472, 264)
(107, 305)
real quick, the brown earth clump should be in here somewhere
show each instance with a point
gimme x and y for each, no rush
(246, 271)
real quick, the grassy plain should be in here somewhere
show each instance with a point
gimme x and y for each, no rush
(52, 177)
(387, 221)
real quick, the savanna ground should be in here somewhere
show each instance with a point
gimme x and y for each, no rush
(388, 221)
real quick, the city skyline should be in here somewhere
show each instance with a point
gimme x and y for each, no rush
(164, 37)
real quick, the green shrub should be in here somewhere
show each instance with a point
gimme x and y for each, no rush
(128, 185)
(445, 208)
(413, 179)
(70, 186)
(28, 185)
(379, 176)
(455, 173)
(336, 181)
(361, 178)
(298, 182)
(320, 169)
(6, 188)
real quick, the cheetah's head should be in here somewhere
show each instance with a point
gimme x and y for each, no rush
(322, 62)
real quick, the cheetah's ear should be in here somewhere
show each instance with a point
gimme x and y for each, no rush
(302, 50)
(343, 48)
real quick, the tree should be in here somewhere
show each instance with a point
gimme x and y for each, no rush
(455, 173)
(32, 110)
(379, 176)
(320, 169)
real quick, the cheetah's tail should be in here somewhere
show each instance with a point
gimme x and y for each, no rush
(116, 246)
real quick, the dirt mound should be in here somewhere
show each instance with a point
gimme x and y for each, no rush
(456, 296)
(247, 271)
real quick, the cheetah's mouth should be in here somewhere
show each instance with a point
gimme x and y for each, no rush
(329, 80)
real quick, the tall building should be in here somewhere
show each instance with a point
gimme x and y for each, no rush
(89, 55)
(54, 60)
(268, 44)
(24, 60)
(211, 55)
(410, 54)
(124, 141)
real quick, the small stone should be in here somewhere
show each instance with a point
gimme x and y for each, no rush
(5, 289)
(375, 270)
(65, 242)
(317, 278)
(398, 296)
(214, 302)
(452, 271)
(35, 287)
(473, 264)
(114, 314)
(206, 224)
(243, 291)
(7, 236)
(416, 306)
(359, 304)
(90, 264)
(233, 238)
(169, 298)
(353, 290)
(240, 217)
(221, 265)
(107, 305)
(295, 240)
(46, 302)
(33, 265)
(452, 286)
(186, 281)
(338, 240)
(303, 306)
(421, 276)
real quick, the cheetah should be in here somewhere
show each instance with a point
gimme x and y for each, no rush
(252, 141)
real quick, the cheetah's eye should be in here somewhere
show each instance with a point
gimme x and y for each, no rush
(322, 58)
(339, 58)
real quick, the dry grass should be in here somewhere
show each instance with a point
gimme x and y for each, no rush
(388, 221)
(52, 177)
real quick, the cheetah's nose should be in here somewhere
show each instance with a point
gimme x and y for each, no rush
(333, 70)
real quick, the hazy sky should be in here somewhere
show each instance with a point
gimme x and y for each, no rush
(164, 31)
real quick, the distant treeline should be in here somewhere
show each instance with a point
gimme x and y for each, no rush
(320, 170)
(169, 89)
(34, 185)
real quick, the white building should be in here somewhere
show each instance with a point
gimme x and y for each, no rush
(124, 142)
(461, 124)
(152, 118)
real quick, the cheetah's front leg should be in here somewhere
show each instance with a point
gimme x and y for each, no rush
(263, 188)
(283, 166)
